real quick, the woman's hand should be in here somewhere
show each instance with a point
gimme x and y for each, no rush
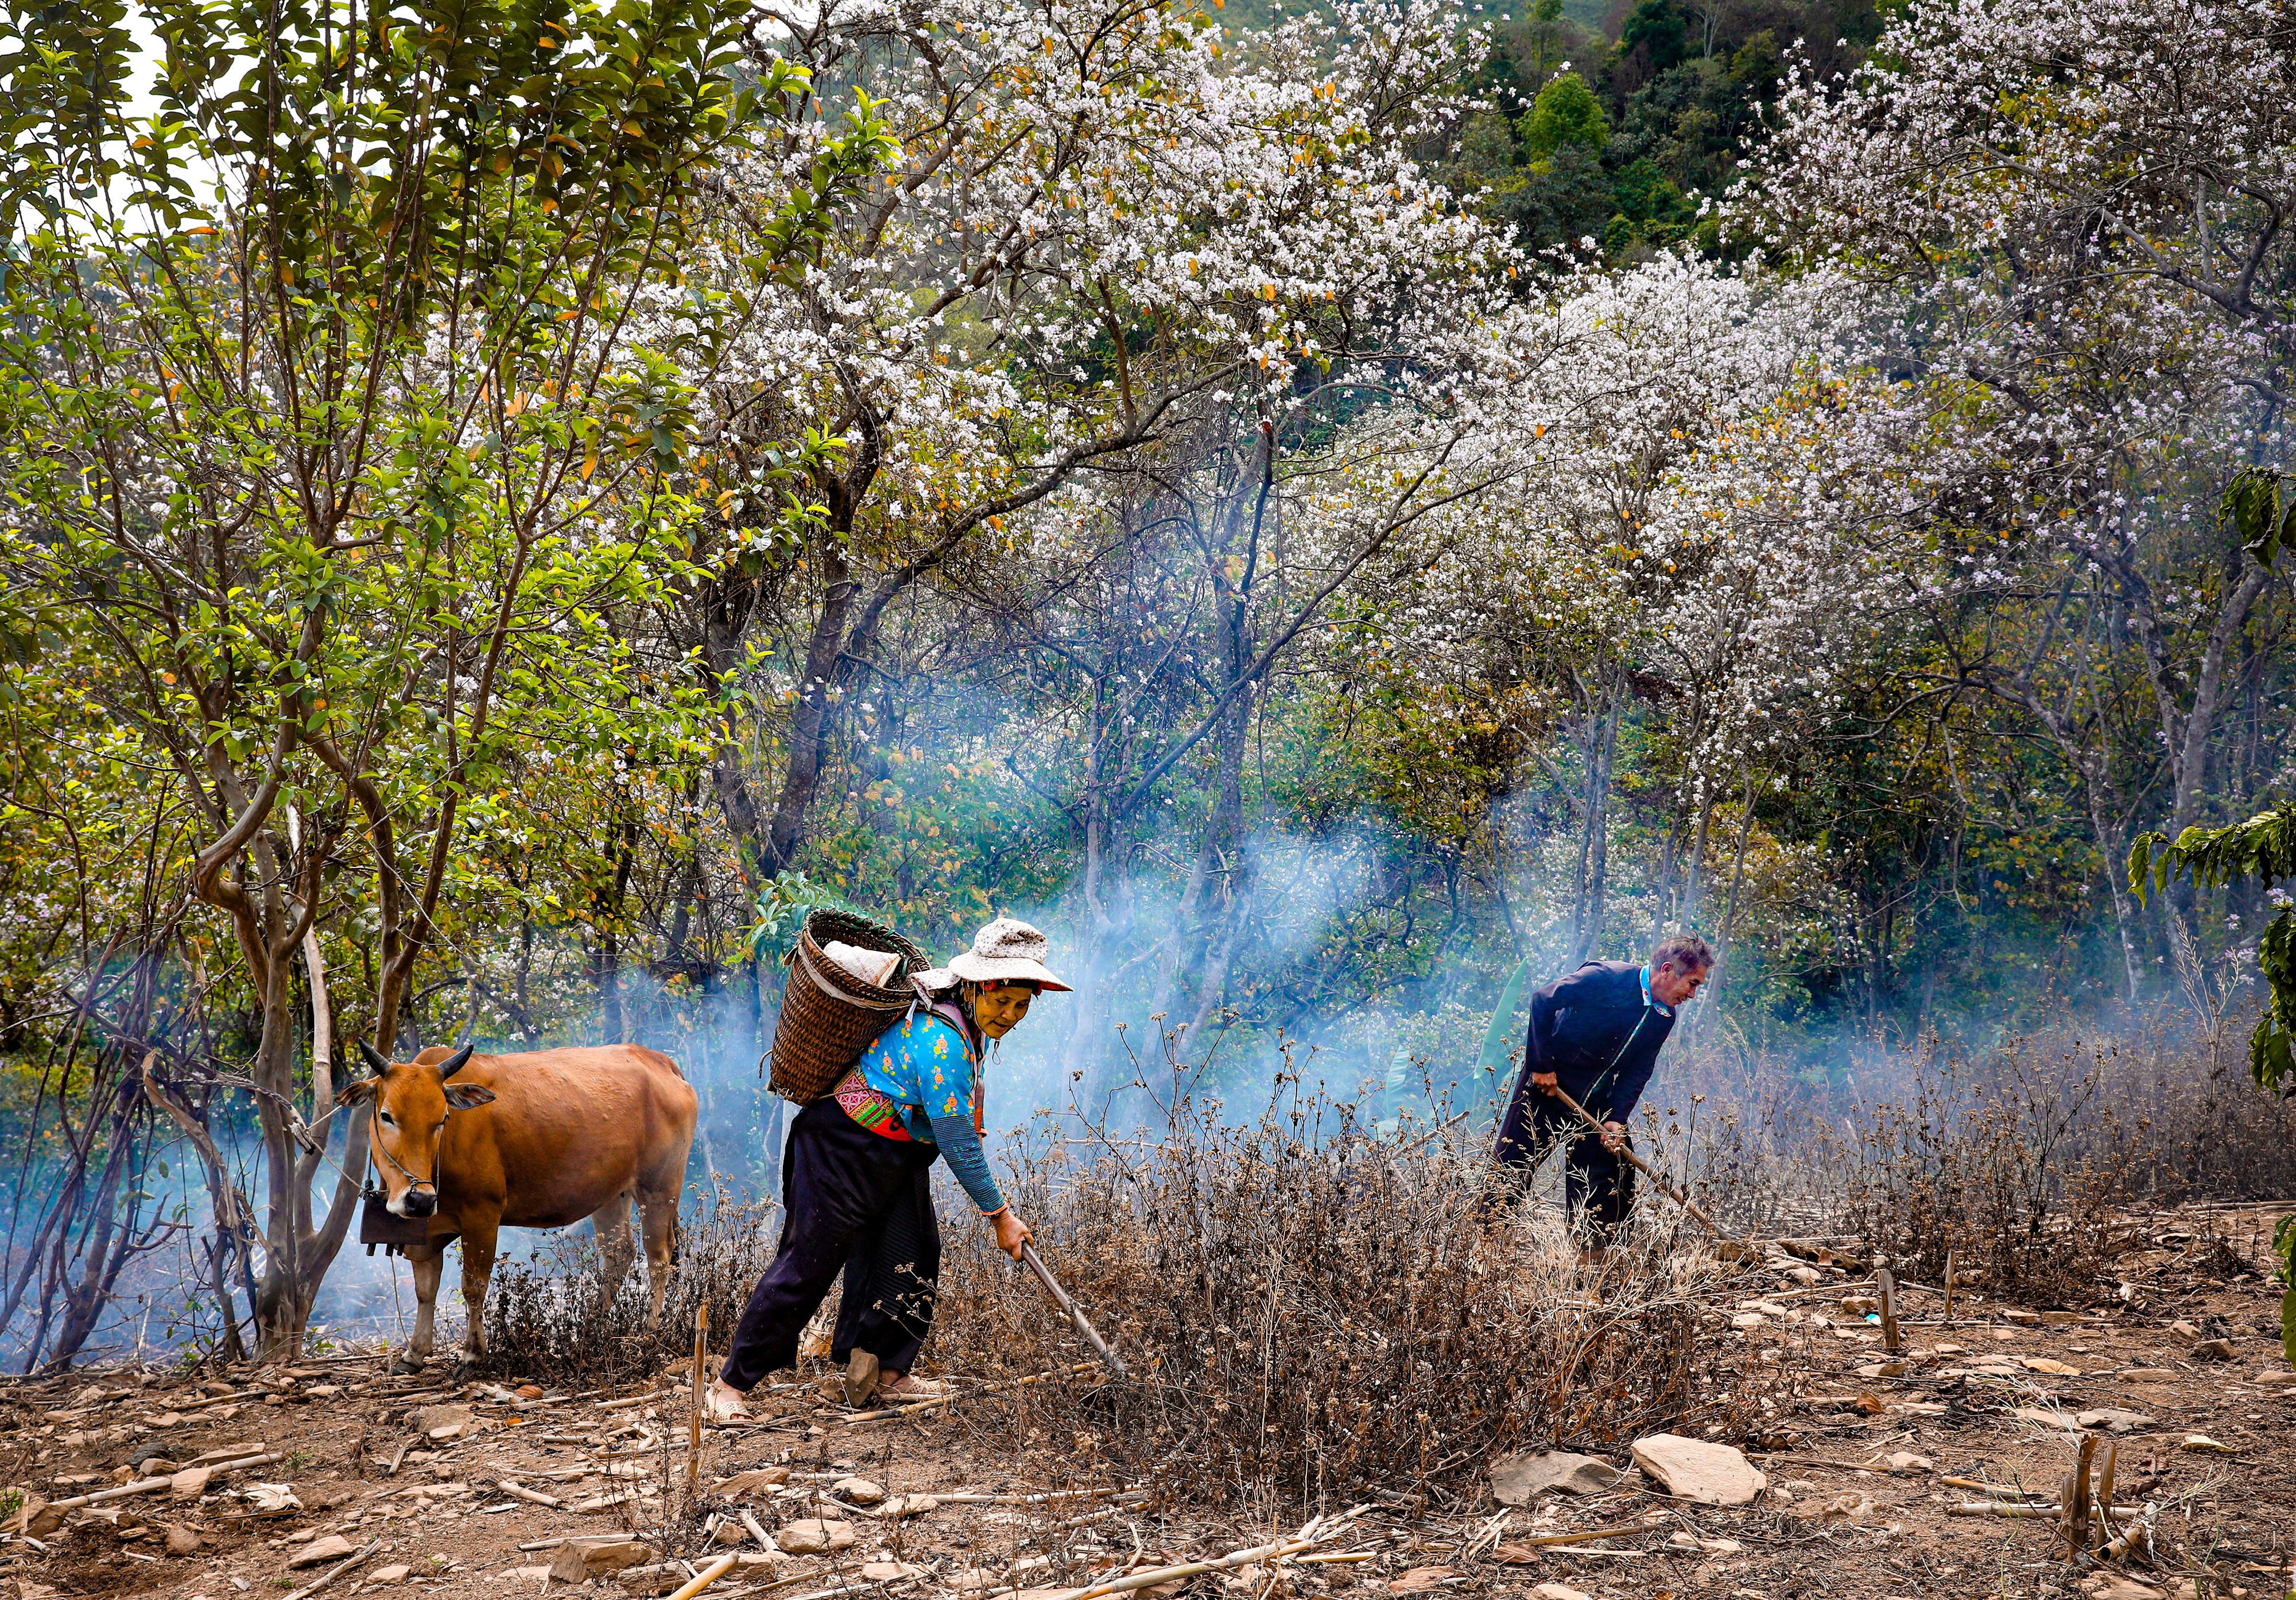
(1614, 1136)
(1012, 1233)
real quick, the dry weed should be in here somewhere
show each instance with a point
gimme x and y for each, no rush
(1311, 1311)
(544, 1321)
(2014, 1167)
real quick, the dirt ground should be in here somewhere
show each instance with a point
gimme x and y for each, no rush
(2182, 1373)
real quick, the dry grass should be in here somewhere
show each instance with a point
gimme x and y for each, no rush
(1311, 1312)
(2021, 1160)
(544, 1320)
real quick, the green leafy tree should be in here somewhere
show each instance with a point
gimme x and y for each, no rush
(347, 397)
(2264, 846)
(1565, 113)
(1655, 28)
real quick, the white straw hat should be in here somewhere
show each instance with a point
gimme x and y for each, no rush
(1008, 950)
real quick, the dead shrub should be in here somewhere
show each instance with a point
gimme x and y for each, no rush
(1310, 1309)
(2014, 1167)
(544, 1320)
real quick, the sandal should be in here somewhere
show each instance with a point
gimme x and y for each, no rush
(913, 1388)
(722, 1403)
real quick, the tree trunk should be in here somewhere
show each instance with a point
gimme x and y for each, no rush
(299, 1248)
(1713, 1006)
(103, 1240)
(1592, 908)
(1693, 877)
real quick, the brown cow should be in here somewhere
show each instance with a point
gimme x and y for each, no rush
(540, 1139)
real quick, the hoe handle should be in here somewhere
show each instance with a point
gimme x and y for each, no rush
(1635, 1162)
(1075, 1313)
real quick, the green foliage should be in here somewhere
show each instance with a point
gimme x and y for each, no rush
(2263, 848)
(2283, 1245)
(1491, 1064)
(2251, 505)
(1646, 127)
(1655, 28)
(781, 909)
(1566, 112)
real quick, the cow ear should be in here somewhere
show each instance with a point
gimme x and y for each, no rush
(468, 1096)
(375, 1063)
(456, 1062)
(358, 1089)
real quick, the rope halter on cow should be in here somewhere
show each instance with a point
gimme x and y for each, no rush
(379, 1066)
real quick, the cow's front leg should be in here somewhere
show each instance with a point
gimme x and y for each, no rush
(478, 1270)
(428, 1270)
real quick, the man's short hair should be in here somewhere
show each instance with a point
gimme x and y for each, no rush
(1685, 950)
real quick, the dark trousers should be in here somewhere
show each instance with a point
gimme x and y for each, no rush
(856, 1202)
(1598, 1187)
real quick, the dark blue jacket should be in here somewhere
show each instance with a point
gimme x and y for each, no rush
(1592, 1030)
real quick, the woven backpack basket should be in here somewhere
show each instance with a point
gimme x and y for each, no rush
(830, 1017)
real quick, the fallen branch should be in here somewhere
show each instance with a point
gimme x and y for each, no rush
(1999, 1508)
(518, 1491)
(1058, 1494)
(1541, 1541)
(1320, 1531)
(337, 1570)
(186, 1407)
(1995, 1489)
(120, 1491)
(1846, 1466)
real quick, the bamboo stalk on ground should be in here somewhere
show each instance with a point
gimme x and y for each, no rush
(1983, 1488)
(707, 1576)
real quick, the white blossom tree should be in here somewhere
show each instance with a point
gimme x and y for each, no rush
(2084, 212)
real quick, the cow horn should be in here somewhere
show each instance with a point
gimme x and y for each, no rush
(375, 1063)
(456, 1062)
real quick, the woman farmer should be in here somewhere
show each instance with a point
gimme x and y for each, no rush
(856, 1189)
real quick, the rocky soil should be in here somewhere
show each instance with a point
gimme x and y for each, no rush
(335, 1477)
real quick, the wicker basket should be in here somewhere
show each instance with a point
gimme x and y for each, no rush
(829, 1017)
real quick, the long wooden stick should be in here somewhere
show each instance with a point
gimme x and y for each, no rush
(1641, 1166)
(1074, 1312)
(700, 1388)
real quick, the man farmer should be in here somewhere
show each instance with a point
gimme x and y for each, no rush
(1594, 1034)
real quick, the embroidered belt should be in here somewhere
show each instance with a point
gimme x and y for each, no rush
(871, 1107)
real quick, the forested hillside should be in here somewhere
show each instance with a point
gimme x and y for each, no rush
(1182, 483)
